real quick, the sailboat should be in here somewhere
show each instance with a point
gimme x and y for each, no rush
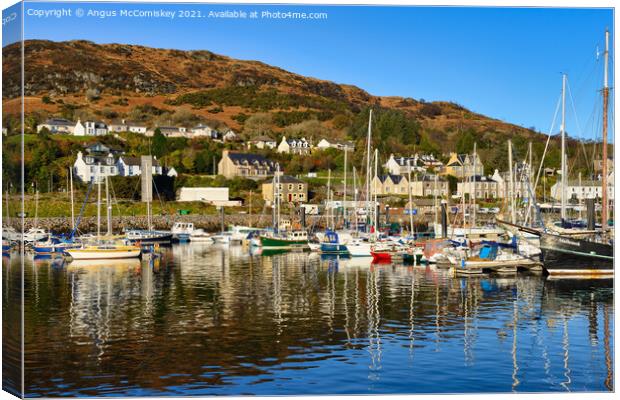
(569, 254)
(148, 236)
(35, 233)
(281, 239)
(104, 249)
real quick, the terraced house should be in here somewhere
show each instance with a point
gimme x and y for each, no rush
(462, 165)
(291, 190)
(252, 166)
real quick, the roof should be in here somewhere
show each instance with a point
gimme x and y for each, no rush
(404, 161)
(480, 178)
(290, 179)
(98, 124)
(239, 158)
(90, 159)
(59, 122)
(395, 178)
(136, 161)
(262, 139)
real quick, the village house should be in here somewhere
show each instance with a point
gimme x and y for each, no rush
(101, 149)
(485, 187)
(402, 165)
(170, 131)
(521, 188)
(94, 167)
(389, 184)
(90, 128)
(171, 172)
(291, 190)
(127, 126)
(587, 189)
(230, 136)
(462, 165)
(334, 144)
(202, 130)
(131, 166)
(433, 185)
(252, 166)
(262, 142)
(294, 146)
(57, 125)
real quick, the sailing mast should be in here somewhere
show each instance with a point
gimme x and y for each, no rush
(604, 211)
(563, 166)
(71, 189)
(327, 203)
(98, 204)
(354, 200)
(368, 164)
(376, 204)
(473, 212)
(410, 199)
(108, 207)
(513, 215)
(344, 196)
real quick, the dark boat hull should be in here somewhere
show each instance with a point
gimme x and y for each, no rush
(570, 256)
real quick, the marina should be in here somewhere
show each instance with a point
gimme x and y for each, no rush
(209, 319)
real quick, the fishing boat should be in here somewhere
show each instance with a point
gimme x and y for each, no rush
(386, 252)
(285, 240)
(199, 235)
(148, 236)
(359, 247)
(181, 231)
(332, 243)
(54, 246)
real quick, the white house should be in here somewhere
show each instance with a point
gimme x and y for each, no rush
(230, 136)
(262, 142)
(57, 125)
(402, 165)
(90, 128)
(202, 130)
(170, 131)
(588, 189)
(213, 195)
(294, 146)
(130, 166)
(94, 167)
(485, 187)
(333, 144)
(127, 126)
(171, 172)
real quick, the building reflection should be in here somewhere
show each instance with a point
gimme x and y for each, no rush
(207, 314)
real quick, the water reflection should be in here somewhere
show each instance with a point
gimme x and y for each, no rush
(201, 319)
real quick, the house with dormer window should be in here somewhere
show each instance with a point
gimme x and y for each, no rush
(294, 146)
(251, 166)
(93, 167)
(90, 128)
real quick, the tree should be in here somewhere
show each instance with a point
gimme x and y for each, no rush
(466, 141)
(258, 124)
(159, 147)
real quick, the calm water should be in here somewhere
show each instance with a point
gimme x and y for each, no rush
(207, 320)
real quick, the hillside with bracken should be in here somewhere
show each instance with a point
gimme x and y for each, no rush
(161, 87)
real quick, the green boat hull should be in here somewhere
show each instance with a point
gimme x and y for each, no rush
(280, 243)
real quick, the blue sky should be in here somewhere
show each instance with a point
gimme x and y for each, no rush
(502, 62)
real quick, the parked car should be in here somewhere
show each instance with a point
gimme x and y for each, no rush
(483, 210)
(494, 210)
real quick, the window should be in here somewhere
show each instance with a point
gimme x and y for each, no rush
(300, 187)
(290, 187)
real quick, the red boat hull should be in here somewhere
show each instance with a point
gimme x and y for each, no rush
(381, 257)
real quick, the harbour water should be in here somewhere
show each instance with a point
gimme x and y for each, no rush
(214, 320)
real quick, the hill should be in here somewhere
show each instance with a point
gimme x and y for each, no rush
(165, 86)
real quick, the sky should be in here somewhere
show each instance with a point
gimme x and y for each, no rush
(506, 63)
